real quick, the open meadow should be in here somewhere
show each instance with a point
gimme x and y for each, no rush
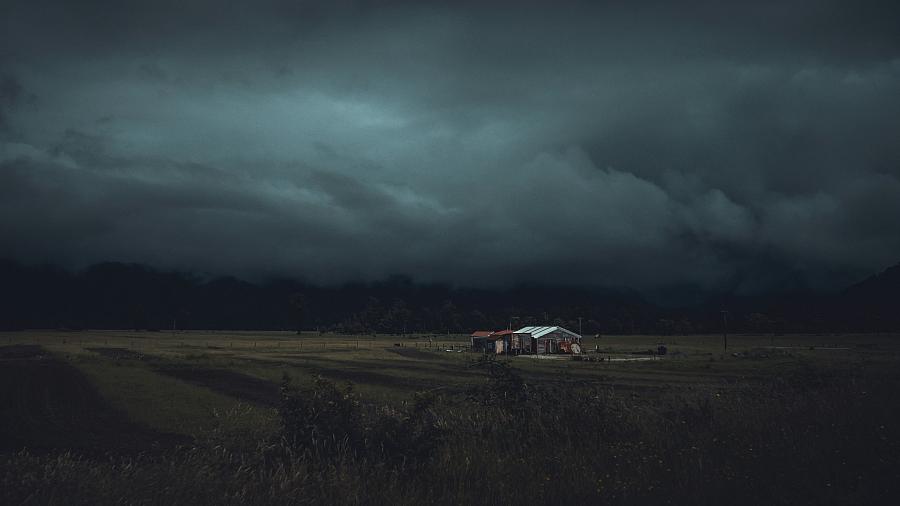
(273, 417)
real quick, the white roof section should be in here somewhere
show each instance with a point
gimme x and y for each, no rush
(537, 332)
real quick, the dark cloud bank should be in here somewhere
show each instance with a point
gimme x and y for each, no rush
(746, 148)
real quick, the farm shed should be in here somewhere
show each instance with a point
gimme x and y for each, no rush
(547, 339)
(480, 340)
(512, 343)
(491, 342)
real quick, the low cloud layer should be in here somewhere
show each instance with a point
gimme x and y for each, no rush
(741, 148)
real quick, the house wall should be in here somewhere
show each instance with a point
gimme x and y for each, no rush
(546, 345)
(526, 343)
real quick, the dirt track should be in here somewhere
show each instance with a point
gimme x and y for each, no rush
(46, 404)
(234, 384)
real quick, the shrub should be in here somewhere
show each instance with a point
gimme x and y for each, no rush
(326, 416)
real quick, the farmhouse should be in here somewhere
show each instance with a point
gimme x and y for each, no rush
(545, 340)
(539, 340)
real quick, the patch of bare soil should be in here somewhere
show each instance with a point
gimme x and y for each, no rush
(231, 383)
(415, 353)
(46, 405)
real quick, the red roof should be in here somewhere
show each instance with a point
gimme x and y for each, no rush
(503, 333)
(482, 333)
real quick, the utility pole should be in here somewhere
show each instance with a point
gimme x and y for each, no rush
(579, 325)
(725, 329)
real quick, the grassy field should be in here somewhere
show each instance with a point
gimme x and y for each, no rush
(775, 419)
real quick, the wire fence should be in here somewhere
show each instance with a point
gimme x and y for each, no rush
(261, 344)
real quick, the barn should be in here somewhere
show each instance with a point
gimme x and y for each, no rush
(543, 340)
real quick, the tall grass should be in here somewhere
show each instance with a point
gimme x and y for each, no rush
(808, 437)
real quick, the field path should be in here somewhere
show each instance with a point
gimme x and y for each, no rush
(46, 404)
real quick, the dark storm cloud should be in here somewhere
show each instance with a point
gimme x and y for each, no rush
(722, 145)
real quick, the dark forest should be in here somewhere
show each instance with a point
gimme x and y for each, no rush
(132, 296)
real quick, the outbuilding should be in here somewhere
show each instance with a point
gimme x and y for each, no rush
(480, 339)
(512, 344)
(488, 341)
(543, 340)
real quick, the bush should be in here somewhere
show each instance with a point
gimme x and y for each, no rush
(804, 437)
(327, 417)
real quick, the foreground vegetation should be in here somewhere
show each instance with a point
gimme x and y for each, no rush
(758, 427)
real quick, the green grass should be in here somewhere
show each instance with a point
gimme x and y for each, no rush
(775, 420)
(170, 405)
(378, 371)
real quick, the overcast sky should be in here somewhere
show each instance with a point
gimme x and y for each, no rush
(743, 147)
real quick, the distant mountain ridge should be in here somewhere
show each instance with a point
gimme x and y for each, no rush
(118, 295)
(884, 285)
(875, 301)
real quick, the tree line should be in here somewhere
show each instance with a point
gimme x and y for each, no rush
(132, 296)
